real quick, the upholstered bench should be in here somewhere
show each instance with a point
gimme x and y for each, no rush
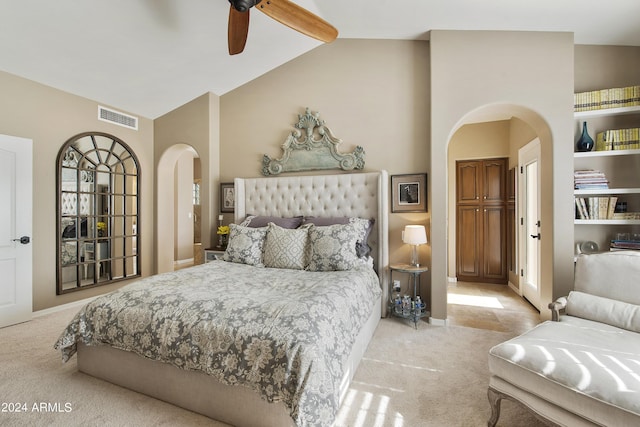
(584, 367)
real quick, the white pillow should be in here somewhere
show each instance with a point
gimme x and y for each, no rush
(604, 310)
(286, 248)
(245, 245)
(333, 247)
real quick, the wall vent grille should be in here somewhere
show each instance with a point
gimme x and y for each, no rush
(118, 118)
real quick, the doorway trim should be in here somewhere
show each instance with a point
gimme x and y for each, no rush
(441, 219)
(530, 230)
(165, 201)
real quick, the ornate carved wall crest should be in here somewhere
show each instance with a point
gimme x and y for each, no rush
(312, 146)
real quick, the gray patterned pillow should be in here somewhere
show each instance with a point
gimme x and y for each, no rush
(245, 245)
(286, 248)
(333, 247)
(363, 227)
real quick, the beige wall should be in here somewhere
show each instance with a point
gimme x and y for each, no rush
(372, 93)
(600, 67)
(50, 117)
(193, 126)
(506, 74)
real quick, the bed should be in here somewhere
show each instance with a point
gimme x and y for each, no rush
(226, 352)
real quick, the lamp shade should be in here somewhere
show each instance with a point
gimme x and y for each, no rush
(414, 235)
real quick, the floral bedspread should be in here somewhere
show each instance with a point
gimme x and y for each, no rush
(283, 333)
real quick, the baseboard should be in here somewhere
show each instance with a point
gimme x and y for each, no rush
(62, 307)
(183, 261)
(515, 288)
(452, 279)
(438, 322)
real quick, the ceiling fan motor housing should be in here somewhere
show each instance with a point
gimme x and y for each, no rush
(243, 5)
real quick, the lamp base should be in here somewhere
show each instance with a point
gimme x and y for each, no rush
(414, 256)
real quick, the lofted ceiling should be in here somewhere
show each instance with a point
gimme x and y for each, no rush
(148, 57)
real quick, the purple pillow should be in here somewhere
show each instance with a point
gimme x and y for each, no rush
(257, 221)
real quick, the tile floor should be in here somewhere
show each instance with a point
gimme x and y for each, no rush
(489, 306)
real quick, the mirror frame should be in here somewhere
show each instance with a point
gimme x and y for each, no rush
(106, 248)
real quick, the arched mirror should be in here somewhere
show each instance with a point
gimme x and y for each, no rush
(98, 207)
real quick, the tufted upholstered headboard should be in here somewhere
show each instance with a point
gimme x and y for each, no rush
(363, 195)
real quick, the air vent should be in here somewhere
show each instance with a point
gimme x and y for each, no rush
(118, 118)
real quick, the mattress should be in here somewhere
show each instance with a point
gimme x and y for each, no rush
(285, 334)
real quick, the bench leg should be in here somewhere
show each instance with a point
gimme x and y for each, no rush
(494, 400)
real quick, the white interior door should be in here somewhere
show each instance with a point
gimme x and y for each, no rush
(15, 230)
(529, 214)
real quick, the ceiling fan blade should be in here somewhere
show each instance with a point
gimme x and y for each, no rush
(298, 18)
(237, 30)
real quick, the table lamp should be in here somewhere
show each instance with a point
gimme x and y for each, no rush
(414, 235)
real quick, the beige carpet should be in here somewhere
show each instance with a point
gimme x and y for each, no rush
(433, 376)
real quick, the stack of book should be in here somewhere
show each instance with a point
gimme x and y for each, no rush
(624, 245)
(589, 179)
(607, 98)
(595, 207)
(626, 215)
(618, 139)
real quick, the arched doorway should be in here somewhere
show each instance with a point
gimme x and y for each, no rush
(176, 216)
(500, 130)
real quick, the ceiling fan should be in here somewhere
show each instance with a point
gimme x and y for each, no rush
(283, 11)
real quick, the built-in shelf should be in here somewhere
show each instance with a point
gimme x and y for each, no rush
(608, 221)
(606, 191)
(603, 153)
(607, 112)
(602, 231)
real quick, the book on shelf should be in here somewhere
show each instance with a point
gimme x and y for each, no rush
(595, 207)
(607, 98)
(626, 215)
(589, 179)
(618, 139)
(625, 244)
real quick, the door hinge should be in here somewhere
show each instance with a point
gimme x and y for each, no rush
(521, 272)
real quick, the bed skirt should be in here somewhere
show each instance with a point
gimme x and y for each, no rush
(199, 392)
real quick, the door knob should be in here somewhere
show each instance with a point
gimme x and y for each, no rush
(535, 236)
(24, 240)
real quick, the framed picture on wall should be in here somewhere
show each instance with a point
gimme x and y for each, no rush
(227, 197)
(409, 193)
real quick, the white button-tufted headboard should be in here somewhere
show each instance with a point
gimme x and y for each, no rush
(363, 195)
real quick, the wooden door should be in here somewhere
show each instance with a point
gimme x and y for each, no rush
(494, 252)
(494, 181)
(468, 239)
(469, 181)
(481, 195)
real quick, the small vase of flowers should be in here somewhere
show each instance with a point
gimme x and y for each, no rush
(223, 236)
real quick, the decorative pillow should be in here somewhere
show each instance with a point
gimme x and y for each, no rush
(256, 221)
(245, 245)
(333, 247)
(363, 227)
(604, 310)
(285, 248)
